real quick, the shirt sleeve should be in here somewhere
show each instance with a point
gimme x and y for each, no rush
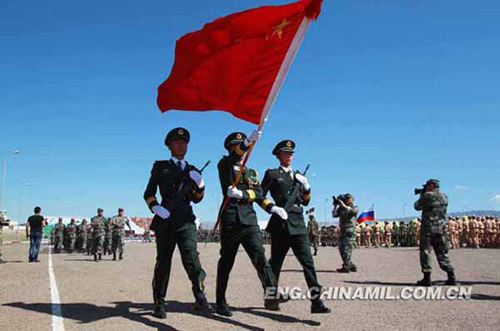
(150, 192)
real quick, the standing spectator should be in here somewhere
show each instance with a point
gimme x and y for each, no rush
(34, 227)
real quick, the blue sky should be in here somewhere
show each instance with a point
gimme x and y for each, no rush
(382, 95)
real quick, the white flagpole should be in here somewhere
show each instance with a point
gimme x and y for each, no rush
(285, 66)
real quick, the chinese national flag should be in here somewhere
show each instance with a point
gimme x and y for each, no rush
(232, 63)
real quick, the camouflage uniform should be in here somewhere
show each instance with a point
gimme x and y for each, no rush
(347, 223)
(71, 228)
(82, 233)
(58, 237)
(433, 205)
(118, 229)
(89, 239)
(313, 230)
(98, 223)
(108, 237)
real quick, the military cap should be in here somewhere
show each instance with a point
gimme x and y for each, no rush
(177, 134)
(120, 209)
(348, 195)
(234, 138)
(99, 209)
(285, 146)
(433, 181)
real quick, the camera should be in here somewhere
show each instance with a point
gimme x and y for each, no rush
(420, 190)
(337, 198)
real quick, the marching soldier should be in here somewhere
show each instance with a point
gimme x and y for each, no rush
(118, 227)
(71, 230)
(313, 229)
(239, 221)
(108, 237)
(83, 231)
(58, 235)
(433, 204)
(287, 226)
(98, 223)
(180, 184)
(347, 212)
(89, 239)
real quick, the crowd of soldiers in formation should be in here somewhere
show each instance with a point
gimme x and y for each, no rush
(467, 231)
(100, 237)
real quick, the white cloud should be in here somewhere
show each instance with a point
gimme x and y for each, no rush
(496, 198)
(461, 187)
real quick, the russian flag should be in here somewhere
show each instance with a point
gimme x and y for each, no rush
(367, 215)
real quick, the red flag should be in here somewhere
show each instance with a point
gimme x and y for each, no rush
(233, 62)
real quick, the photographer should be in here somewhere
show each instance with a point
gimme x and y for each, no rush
(433, 204)
(347, 212)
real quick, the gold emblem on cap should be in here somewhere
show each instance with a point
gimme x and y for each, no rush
(238, 136)
(288, 144)
(181, 132)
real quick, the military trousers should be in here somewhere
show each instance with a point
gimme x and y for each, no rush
(346, 246)
(97, 241)
(57, 244)
(118, 242)
(438, 241)
(250, 237)
(281, 242)
(167, 238)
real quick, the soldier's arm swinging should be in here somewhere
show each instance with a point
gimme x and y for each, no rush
(150, 192)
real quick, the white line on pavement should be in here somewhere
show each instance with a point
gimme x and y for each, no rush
(57, 318)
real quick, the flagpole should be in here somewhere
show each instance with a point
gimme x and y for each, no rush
(280, 78)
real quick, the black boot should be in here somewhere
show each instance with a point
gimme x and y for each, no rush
(95, 258)
(318, 307)
(343, 270)
(100, 256)
(159, 310)
(426, 281)
(452, 281)
(353, 268)
(223, 310)
(114, 256)
(201, 302)
(272, 304)
(121, 256)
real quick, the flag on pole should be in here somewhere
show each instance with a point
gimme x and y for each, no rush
(367, 215)
(234, 62)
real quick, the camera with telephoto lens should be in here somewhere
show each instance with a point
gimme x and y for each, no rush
(420, 190)
(337, 198)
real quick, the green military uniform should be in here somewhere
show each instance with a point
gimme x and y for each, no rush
(97, 223)
(314, 234)
(396, 234)
(108, 237)
(118, 228)
(58, 236)
(71, 229)
(433, 205)
(177, 191)
(347, 223)
(89, 239)
(239, 221)
(83, 231)
(292, 232)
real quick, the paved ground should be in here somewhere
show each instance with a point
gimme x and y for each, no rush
(116, 295)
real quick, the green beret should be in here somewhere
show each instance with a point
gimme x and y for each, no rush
(285, 146)
(177, 134)
(234, 138)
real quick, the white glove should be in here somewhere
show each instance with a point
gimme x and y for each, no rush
(253, 137)
(197, 178)
(281, 212)
(161, 211)
(233, 192)
(303, 181)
